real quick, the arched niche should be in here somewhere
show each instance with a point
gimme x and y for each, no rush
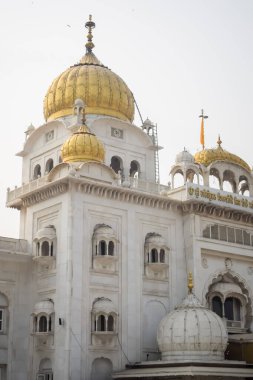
(101, 369)
(229, 183)
(243, 186)
(135, 169)
(228, 284)
(45, 370)
(44, 243)
(156, 259)
(178, 179)
(153, 313)
(104, 252)
(117, 164)
(49, 165)
(43, 317)
(4, 303)
(37, 172)
(191, 176)
(214, 178)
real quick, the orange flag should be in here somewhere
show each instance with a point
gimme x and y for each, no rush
(202, 135)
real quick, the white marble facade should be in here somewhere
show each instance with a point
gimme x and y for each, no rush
(103, 256)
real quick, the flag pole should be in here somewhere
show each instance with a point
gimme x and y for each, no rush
(202, 129)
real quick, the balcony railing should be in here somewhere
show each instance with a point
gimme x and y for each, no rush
(13, 245)
(133, 183)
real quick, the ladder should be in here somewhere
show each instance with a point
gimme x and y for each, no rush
(155, 141)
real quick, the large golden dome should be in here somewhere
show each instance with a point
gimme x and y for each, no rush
(208, 156)
(102, 91)
(83, 146)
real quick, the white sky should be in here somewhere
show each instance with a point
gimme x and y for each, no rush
(177, 56)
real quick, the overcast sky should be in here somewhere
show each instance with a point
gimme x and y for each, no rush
(177, 56)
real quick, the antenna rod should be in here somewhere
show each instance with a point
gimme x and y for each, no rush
(138, 109)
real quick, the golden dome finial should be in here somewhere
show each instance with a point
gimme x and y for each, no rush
(190, 282)
(219, 142)
(89, 25)
(102, 91)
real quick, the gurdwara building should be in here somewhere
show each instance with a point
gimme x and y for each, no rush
(105, 250)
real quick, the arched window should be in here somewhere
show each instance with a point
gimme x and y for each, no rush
(243, 186)
(110, 323)
(45, 370)
(214, 178)
(111, 248)
(232, 309)
(116, 164)
(3, 312)
(191, 176)
(134, 169)
(43, 317)
(101, 325)
(50, 324)
(102, 248)
(229, 181)
(217, 305)
(154, 255)
(45, 243)
(49, 165)
(101, 369)
(43, 324)
(37, 172)
(45, 248)
(178, 179)
(162, 255)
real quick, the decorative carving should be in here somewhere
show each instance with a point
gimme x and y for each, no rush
(42, 195)
(116, 132)
(49, 136)
(129, 195)
(204, 262)
(218, 211)
(228, 263)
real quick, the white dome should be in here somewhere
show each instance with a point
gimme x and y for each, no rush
(103, 231)
(192, 332)
(155, 239)
(147, 122)
(45, 306)
(184, 156)
(103, 305)
(47, 232)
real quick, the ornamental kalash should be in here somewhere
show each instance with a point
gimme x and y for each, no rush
(95, 286)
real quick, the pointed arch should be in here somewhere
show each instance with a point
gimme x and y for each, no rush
(236, 278)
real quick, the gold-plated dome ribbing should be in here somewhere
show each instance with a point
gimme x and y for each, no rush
(83, 146)
(208, 156)
(103, 91)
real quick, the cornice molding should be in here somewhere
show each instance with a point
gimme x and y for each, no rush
(201, 208)
(129, 195)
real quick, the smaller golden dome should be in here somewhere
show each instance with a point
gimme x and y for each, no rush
(208, 156)
(83, 146)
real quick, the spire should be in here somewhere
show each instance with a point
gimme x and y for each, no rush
(202, 131)
(190, 282)
(219, 142)
(89, 25)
